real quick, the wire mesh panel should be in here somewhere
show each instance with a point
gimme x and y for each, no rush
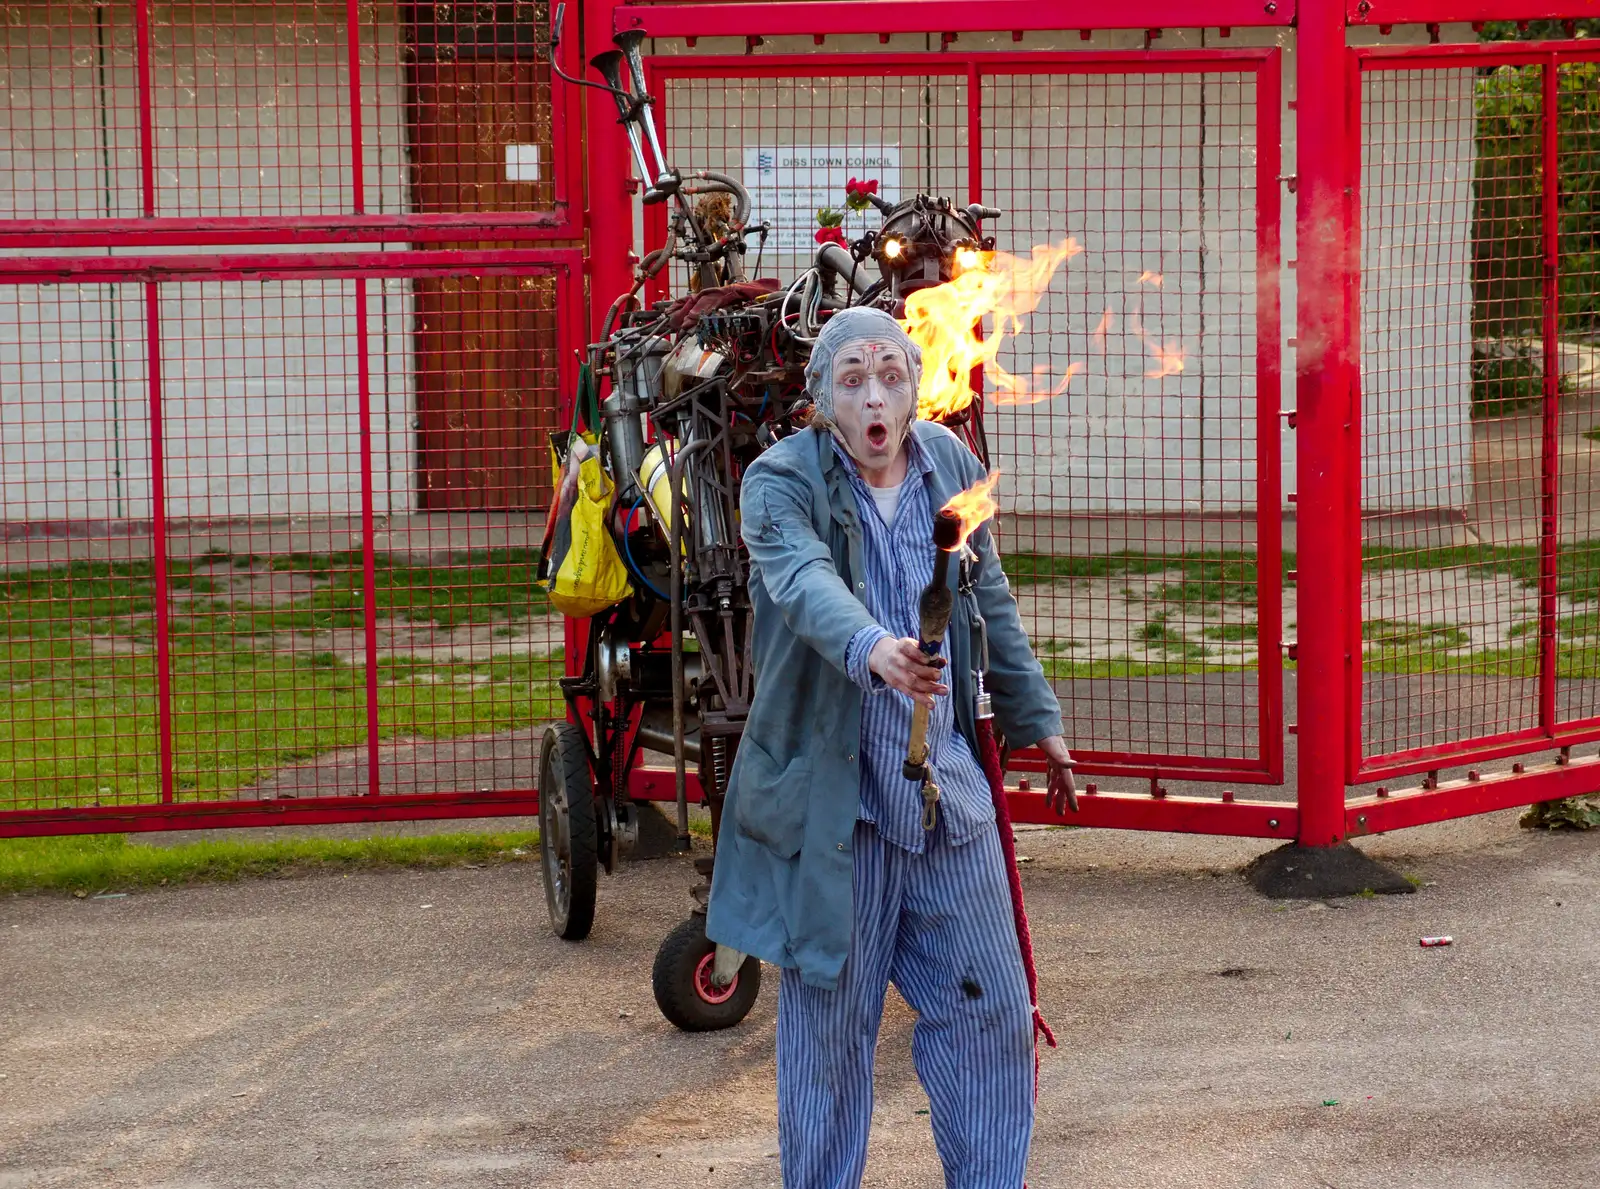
(70, 131)
(1450, 549)
(795, 140)
(251, 108)
(1577, 330)
(1479, 572)
(77, 722)
(223, 626)
(1137, 483)
(223, 110)
(1133, 487)
(480, 108)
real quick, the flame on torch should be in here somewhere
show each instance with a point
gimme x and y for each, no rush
(974, 505)
(1153, 279)
(947, 323)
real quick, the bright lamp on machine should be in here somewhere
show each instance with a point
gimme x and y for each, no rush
(893, 249)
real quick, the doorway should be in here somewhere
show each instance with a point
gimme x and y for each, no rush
(481, 140)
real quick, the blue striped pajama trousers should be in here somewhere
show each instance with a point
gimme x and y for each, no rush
(939, 926)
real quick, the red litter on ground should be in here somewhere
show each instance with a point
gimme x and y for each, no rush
(1429, 943)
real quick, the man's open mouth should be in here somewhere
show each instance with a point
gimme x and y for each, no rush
(877, 436)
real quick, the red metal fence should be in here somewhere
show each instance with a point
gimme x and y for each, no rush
(293, 292)
(271, 516)
(1142, 504)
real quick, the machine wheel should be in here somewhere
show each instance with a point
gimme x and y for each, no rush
(682, 981)
(568, 843)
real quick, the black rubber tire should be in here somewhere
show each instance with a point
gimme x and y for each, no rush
(677, 995)
(568, 835)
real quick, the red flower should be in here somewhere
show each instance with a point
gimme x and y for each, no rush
(830, 235)
(856, 191)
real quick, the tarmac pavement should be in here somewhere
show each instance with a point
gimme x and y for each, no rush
(423, 1028)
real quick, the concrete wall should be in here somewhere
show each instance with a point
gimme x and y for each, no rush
(1150, 173)
(258, 379)
(1156, 173)
(1416, 289)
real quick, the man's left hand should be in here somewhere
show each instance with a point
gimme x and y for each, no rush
(1063, 789)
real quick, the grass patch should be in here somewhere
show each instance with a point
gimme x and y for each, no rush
(494, 584)
(1057, 645)
(1205, 575)
(1232, 633)
(1181, 665)
(78, 667)
(78, 729)
(1390, 633)
(491, 586)
(1210, 581)
(1157, 632)
(1577, 564)
(1585, 624)
(94, 863)
(1592, 434)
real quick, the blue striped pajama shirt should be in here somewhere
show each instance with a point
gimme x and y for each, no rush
(899, 564)
(932, 914)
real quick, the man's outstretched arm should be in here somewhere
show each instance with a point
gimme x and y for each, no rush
(796, 566)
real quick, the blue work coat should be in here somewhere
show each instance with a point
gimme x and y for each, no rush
(782, 888)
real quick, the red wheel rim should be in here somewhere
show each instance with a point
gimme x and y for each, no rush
(708, 990)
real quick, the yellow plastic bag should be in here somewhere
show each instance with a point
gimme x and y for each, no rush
(579, 565)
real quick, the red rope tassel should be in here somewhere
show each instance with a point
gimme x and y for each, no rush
(989, 756)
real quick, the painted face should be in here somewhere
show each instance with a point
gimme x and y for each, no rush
(873, 400)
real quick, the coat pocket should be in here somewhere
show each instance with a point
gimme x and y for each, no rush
(770, 800)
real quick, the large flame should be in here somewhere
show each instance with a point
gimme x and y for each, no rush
(948, 322)
(975, 504)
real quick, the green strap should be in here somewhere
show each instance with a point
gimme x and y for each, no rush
(587, 404)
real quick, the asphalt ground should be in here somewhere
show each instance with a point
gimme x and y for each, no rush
(403, 1028)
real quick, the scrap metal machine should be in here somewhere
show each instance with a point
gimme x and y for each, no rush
(695, 387)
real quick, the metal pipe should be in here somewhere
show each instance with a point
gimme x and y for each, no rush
(834, 259)
(675, 598)
(609, 64)
(629, 41)
(1550, 409)
(1324, 420)
(656, 739)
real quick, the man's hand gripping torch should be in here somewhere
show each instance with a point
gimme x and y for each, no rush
(934, 610)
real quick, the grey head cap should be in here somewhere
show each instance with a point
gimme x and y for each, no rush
(852, 325)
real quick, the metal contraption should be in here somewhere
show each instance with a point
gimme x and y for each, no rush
(696, 386)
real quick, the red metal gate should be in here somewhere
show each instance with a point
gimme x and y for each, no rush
(1471, 637)
(223, 600)
(227, 289)
(1143, 529)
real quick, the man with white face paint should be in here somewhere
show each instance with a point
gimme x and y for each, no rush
(829, 869)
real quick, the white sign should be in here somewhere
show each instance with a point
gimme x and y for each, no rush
(790, 183)
(522, 163)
